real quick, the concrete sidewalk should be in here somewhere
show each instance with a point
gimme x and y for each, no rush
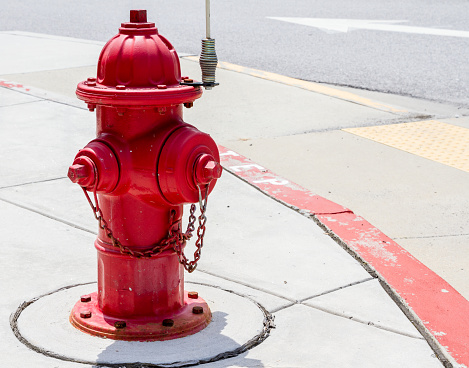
(330, 307)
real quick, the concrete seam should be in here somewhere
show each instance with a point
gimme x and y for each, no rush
(337, 289)
(430, 236)
(50, 70)
(48, 216)
(20, 103)
(52, 37)
(32, 182)
(43, 98)
(365, 322)
(399, 120)
(59, 102)
(355, 319)
(392, 121)
(247, 285)
(283, 307)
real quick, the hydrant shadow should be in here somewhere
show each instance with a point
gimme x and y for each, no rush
(209, 345)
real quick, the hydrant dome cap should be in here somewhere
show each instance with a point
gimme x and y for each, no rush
(137, 62)
(138, 57)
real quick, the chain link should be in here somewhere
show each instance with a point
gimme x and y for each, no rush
(175, 240)
(190, 266)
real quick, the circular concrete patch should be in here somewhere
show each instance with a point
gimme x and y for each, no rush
(238, 324)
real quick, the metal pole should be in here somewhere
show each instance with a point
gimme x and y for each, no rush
(207, 18)
(208, 57)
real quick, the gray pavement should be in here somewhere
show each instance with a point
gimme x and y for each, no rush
(400, 60)
(328, 310)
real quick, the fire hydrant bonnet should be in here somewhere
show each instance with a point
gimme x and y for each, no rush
(138, 66)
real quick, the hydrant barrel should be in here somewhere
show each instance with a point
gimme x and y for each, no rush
(143, 166)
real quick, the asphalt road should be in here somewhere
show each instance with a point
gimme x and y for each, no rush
(433, 67)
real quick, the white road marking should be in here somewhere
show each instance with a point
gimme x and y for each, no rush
(247, 167)
(346, 25)
(229, 153)
(271, 181)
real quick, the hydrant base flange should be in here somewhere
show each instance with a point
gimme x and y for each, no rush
(193, 317)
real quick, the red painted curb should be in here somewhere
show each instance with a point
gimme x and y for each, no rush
(444, 312)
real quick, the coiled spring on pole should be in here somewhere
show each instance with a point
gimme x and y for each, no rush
(208, 62)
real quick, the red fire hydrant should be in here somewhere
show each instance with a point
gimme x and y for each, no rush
(144, 165)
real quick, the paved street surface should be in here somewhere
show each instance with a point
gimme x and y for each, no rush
(407, 47)
(329, 311)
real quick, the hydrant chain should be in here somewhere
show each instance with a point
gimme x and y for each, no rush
(176, 240)
(190, 266)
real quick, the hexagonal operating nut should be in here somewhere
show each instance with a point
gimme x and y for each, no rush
(82, 172)
(212, 170)
(207, 169)
(77, 172)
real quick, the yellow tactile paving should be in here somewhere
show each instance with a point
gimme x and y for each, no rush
(434, 140)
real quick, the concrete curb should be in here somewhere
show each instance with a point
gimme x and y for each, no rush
(438, 311)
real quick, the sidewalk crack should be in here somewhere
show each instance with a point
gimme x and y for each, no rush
(32, 182)
(337, 289)
(21, 103)
(430, 236)
(48, 216)
(368, 323)
(293, 301)
(44, 98)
